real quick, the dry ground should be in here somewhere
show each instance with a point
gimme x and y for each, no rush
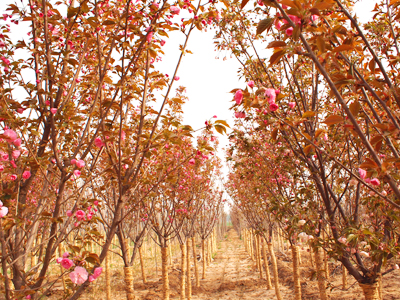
(232, 275)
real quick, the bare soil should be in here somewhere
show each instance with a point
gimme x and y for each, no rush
(233, 275)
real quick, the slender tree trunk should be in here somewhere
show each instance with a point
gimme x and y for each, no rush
(188, 278)
(296, 273)
(371, 291)
(275, 272)
(320, 275)
(344, 278)
(142, 265)
(164, 266)
(208, 252)
(311, 256)
(170, 254)
(196, 269)
(266, 266)
(130, 293)
(326, 262)
(380, 286)
(108, 281)
(203, 254)
(60, 253)
(183, 271)
(256, 253)
(299, 255)
(259, 257)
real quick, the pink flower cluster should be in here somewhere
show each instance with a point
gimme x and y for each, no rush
(3, 210)
(363, 174)
(271, 95)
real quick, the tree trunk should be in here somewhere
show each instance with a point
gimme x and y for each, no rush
(259, 257)
(108, 281)
(128, 272)
(344, 278)
(320, 275)
(164, 266)
(296, 273)
(203, 254)
(264, 253)
(196, 269)
(60, 253)
(183, 271)
(142, 265)
(326, 262)
(170, 254)
(188, 279)
(311, 257)
(371, 291)
(275, 272)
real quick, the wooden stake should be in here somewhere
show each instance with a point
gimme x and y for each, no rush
(196, 269)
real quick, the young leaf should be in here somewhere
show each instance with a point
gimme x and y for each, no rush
(264, 24)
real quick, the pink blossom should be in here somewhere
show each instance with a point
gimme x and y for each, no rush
(73, 161)
(98, 142)
(192, 161)
(162, 42)
(251, 83)
(53, 110)
(278, 24)
(69, 213)
(314, 18)
(15, 154)
(80, 163)
(342, 240)
(91, 278)
(13, 177)
(10, 134)
(97, 272)
(17, 142)
(375, 181)
(295, 19)
(96, 202)
(149, 37)
(292, 105)
(3, 210)
(77, 173)
(79, 275)
(289, 31)
(66, 263)
(174, 10)
(177, 78)
(270, 93)
(239, 97)
(26, 174)
(1, 168)
(80, 215)
(59, 260)
(273, 107)
(362, 173)
(66, 254)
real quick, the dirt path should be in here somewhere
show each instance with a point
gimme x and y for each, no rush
(232, 275)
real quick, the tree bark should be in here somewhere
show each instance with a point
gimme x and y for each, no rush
(275, 272)
(296, 273)
(266, 266)
(108, 281)
(344, 278)
(371, 291)
(183, 271)
(321, 279)
(188, 279)
(164, 266)
(196, 269)
(203, 254)
(130, 292)
(142, 265)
